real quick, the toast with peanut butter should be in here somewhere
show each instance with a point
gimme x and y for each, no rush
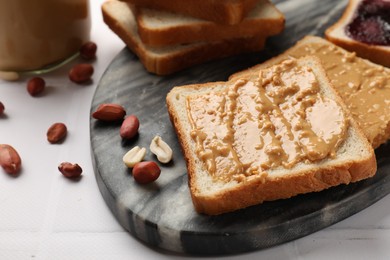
(281, 132)
(364, 86)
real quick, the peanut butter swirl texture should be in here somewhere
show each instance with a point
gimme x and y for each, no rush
(277, 120)
(364, 87)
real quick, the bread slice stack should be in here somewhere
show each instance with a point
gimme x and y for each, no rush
(231, 166)
(219, 11)
(370, 20)
(191, 32)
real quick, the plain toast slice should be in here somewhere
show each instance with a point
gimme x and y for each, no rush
(217, 188)
(169, 59)
(219, 11)
(364, 86)
(158, 28)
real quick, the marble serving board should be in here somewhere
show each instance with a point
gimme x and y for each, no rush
(161, 214)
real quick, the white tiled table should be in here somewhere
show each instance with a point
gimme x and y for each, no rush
(45, 216)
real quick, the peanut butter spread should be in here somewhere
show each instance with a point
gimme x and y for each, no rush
(364, 88)
(277, 120)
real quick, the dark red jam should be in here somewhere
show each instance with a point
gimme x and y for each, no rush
(371, 23)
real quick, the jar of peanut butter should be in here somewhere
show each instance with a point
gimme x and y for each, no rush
(37, 34)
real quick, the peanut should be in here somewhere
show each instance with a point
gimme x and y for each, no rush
(2, 108)
(161, 149)
(56, 133)
(81, 73)
(88, 50)
(129, 127)
(36, 86)
(10, 159)
(146, 172)
(70, 170)
(109, 112)
(135, 155)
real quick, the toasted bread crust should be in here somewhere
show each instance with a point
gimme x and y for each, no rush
(273, 187)
(175, 60)
(375, 53)
(201, 30)
(369, 52)
(224, 12)
(382, 137)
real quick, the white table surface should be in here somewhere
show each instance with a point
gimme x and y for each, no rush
(46, 216)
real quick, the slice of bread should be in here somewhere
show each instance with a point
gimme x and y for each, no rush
(363, 85)
(219, 11)
(353, 158)
(167, 60)
(158, 28)
(336, 33)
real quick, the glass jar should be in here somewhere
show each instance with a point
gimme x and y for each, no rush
(36, 34)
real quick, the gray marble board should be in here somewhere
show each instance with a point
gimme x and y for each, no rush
(161, 214)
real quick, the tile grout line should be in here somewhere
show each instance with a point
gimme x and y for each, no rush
(56, 185)
(48, 221)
